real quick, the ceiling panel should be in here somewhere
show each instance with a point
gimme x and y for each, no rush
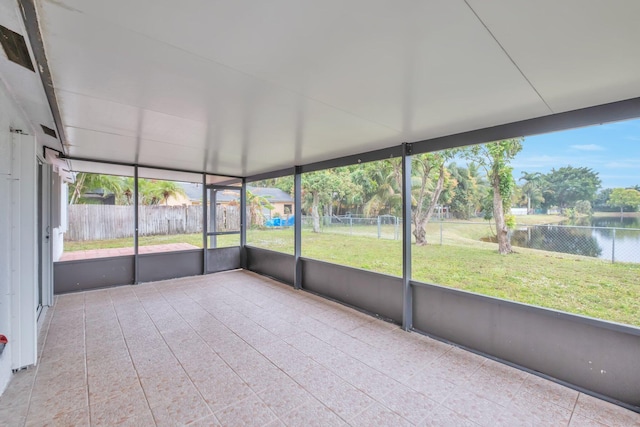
(243, 87)
(577, 53)
(169, 175)
(94, 145)
(101, 168)
(239, 124)
(122, 119)
(377, 60)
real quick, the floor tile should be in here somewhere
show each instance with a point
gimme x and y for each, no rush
(410, 404)
(312, 414)
(209, 421)
(478, 409)
(221, 394)
(240, 349)
(548, 390)
(431, 384)
(605, 412)
(77, 418)
(582, 421)
(285, 396)
(378, 415)
(457, 365)
(48, 404)
(248, 412)
(180, 410)
(445, 417)
(344, 400)
(539, 409)
(121, 409)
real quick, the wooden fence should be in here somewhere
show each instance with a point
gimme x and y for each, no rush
(105, 222)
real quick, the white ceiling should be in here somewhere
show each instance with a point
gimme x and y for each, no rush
(25, 85)
(240, 87)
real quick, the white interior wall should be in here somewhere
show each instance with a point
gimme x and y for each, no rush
(18, 248)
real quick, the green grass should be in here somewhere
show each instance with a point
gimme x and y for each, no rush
(571, 283)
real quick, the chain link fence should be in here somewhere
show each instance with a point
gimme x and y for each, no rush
(614, 244)
(381, 227)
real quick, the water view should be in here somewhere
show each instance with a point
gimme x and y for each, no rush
(612, 238)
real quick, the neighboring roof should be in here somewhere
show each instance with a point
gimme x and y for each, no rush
(193, 191)
(273, 195)
(227, 196)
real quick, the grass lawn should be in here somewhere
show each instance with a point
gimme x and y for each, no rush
(564, 282)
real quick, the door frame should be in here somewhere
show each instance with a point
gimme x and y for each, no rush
(45, 228)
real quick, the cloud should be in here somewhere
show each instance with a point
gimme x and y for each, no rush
(623, 164)
(588, 147)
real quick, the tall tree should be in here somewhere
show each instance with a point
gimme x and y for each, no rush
(601, 199)
(621, 197)
(495, 158)
(468, 193)
(428, 181)
(532, 189)
(386, 194)
(319, 187)
(567, 185)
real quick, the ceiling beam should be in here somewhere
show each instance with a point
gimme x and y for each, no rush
(599, 114)
(30, 17)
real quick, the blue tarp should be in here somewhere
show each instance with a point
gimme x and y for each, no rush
(281, 222)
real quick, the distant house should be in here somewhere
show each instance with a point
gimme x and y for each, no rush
(281, 201)
(98, 197)
(192, 195)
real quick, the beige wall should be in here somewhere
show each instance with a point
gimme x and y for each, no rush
(279, 207)
(178, 200)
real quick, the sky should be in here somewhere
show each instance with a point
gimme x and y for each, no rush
(612, 150)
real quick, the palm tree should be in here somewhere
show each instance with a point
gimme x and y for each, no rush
(256, 204)
(388, 196)
(154, 192)
(86, 182)
(532, 189)
(469, 191)
(169, 189)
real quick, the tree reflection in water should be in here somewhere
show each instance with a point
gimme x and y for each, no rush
(576, 241)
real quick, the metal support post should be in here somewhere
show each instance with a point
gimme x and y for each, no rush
(243, 225)
(379, 226)
(205, 225)
(213, 221)
(407, 306)
(297, 230)
(613, 247)
(136, 220)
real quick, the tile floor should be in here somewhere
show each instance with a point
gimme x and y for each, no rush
(236, 349)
